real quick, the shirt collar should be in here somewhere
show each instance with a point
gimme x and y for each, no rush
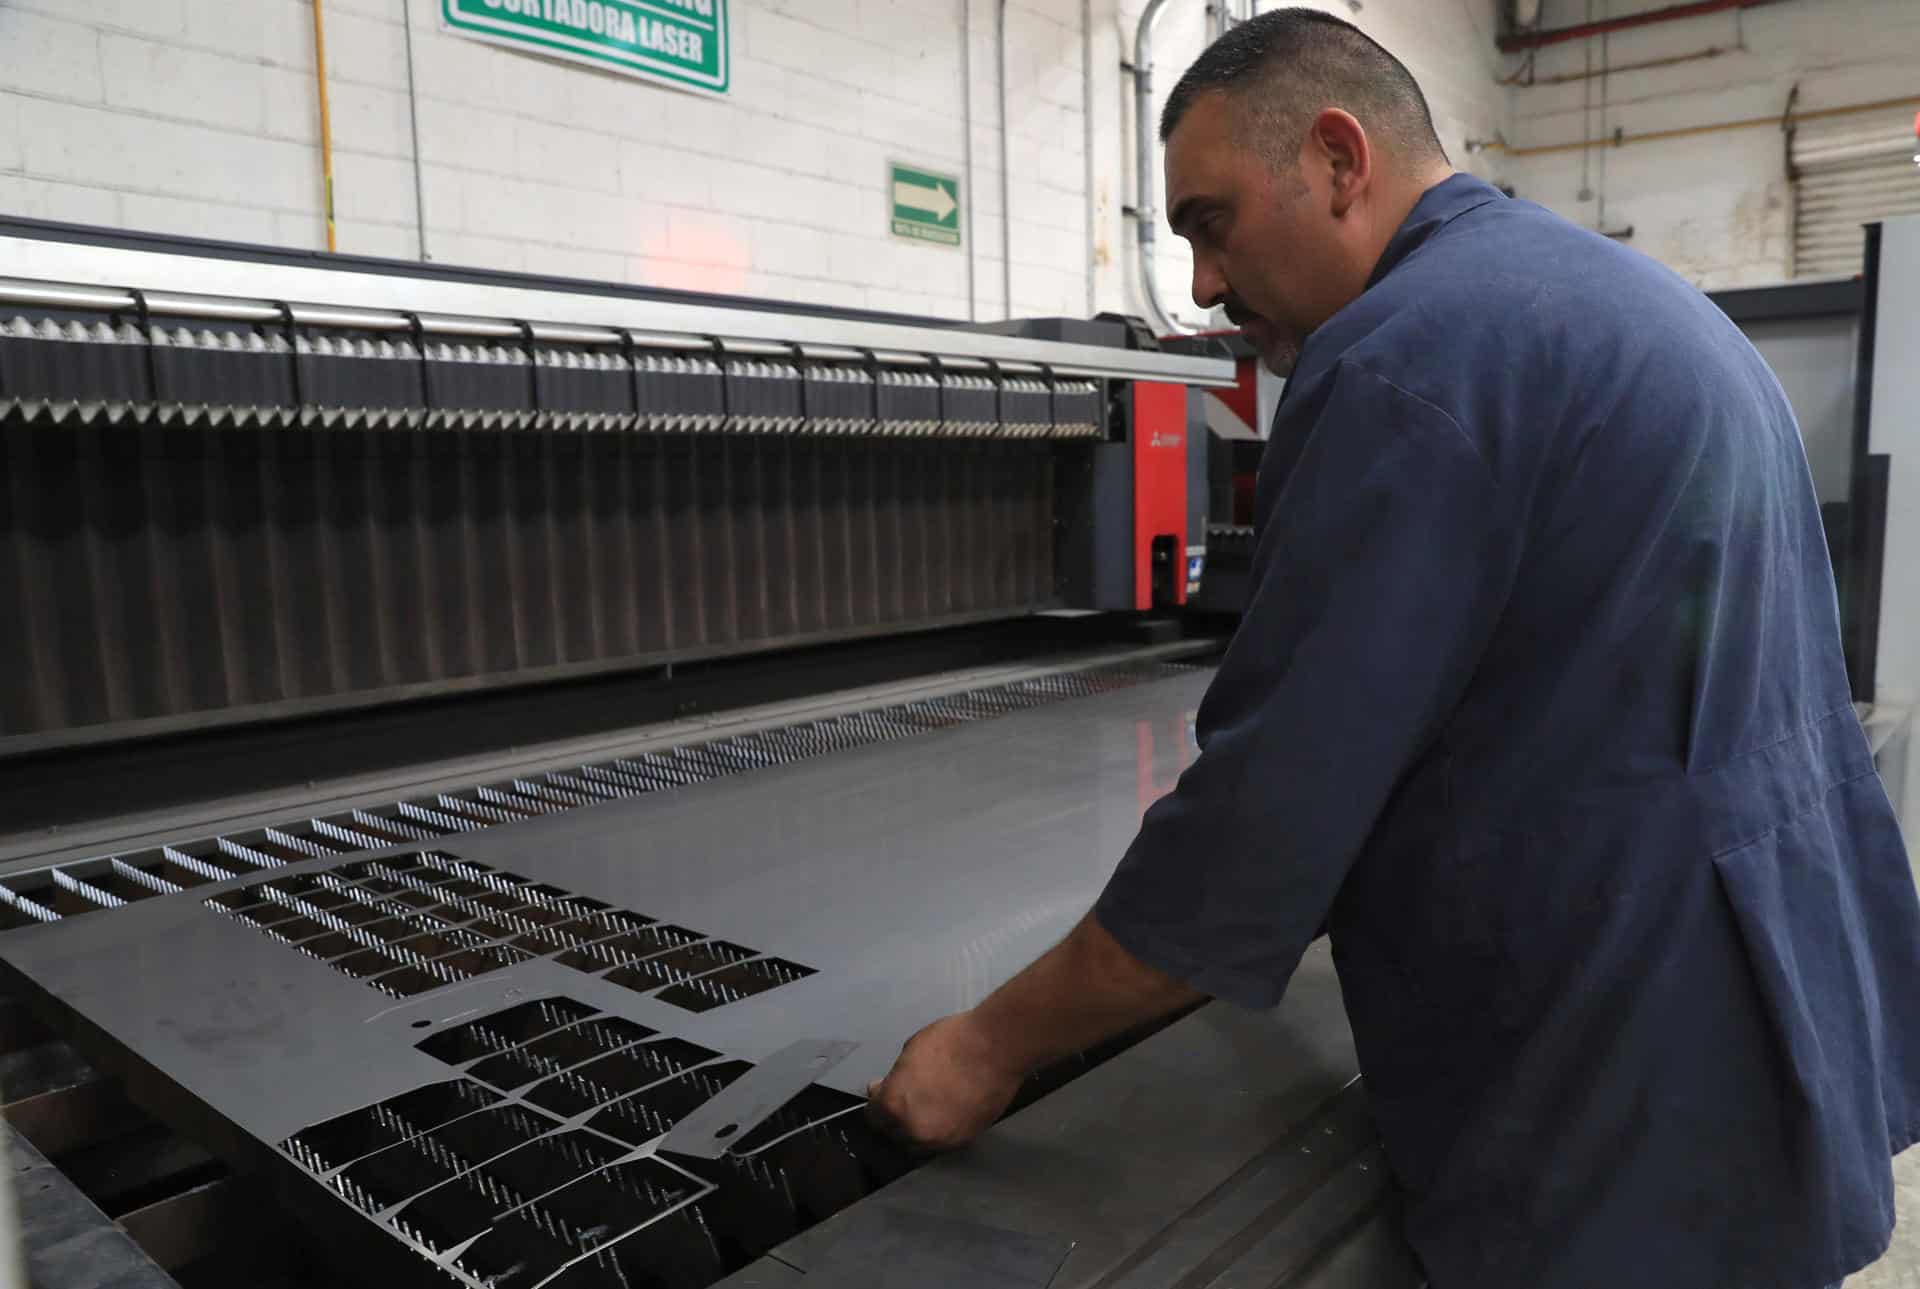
(1439, 206)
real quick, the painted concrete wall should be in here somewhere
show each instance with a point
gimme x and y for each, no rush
(199, 117)
(1717, 206)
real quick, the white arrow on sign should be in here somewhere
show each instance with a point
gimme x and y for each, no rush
(935, 200)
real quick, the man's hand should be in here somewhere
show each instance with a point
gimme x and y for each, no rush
(948, 1086)
(958, 1075)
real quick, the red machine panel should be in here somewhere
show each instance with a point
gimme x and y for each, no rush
(1159, 491)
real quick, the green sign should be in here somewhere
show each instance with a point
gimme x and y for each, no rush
(926, 206)
(682, 41)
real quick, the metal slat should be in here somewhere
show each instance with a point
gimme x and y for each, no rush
(515, 801)
(588, 787)
(559, 796)
(409, 829)
(440, 818)
(248, 854)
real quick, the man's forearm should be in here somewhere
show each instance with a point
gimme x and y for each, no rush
(958, 1075)
(1084, 990)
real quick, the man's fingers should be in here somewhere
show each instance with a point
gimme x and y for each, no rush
(878, 1112)
(889, 1117)
(890, 1126)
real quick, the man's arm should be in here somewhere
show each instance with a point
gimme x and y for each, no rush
(1376, 585)
(958, 1075)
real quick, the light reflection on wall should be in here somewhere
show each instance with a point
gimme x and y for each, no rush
(697, 257)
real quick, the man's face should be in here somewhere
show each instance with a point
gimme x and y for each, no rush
(1265, 244)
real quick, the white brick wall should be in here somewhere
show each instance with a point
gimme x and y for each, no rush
(1716, 207)
(199, 116)
(195, 218)
(11, 159)
(49, 56)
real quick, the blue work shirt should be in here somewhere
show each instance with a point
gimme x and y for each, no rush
(1538, 708)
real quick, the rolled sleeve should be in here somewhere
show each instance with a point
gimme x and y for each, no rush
(1381, 569)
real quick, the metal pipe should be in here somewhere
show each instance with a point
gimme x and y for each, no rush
(1606, 54)
(1518, 40)
(1690, 131)
(972, 233)
(1006, 175)
(1567, 78)
(413, 116)
(1091, 211)
(1144, 215)
(326, 120)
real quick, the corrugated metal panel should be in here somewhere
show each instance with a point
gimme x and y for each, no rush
(1851, 172)
(153, 572)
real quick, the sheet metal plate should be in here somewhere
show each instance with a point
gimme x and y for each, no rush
(912, 876)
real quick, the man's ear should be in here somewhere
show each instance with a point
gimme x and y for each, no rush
(1348, 154)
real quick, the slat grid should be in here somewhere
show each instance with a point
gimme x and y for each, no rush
(109, 882)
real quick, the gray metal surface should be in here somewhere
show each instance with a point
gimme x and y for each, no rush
(643, 760)
(1895, 431)
(121, 829)
(68, 1243)
(1813, 358)
(1232, 1148)
(212, 282)
(882, 1246)
(915, 876)
(912, 877)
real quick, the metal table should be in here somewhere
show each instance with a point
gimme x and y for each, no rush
(872, 889)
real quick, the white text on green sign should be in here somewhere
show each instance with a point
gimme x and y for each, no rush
(926, 206)
(682, 41)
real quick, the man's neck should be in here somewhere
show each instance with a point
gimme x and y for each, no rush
(1396, 204)
(1417, 185)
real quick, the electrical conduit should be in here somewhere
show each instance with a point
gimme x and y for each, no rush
(1145, 217)
(326, 120)
(1006, 176)
(1686, 132)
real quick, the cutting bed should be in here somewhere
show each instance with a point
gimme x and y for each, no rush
(500, 1057)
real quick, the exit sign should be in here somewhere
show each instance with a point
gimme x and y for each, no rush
(682, 42)
(925, 205)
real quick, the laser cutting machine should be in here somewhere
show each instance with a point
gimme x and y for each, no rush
(492, 766)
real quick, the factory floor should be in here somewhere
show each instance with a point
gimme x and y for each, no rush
(1900, 1269)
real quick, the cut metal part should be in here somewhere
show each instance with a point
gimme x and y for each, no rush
(722, 1123)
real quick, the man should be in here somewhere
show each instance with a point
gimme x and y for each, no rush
(1537, 708)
